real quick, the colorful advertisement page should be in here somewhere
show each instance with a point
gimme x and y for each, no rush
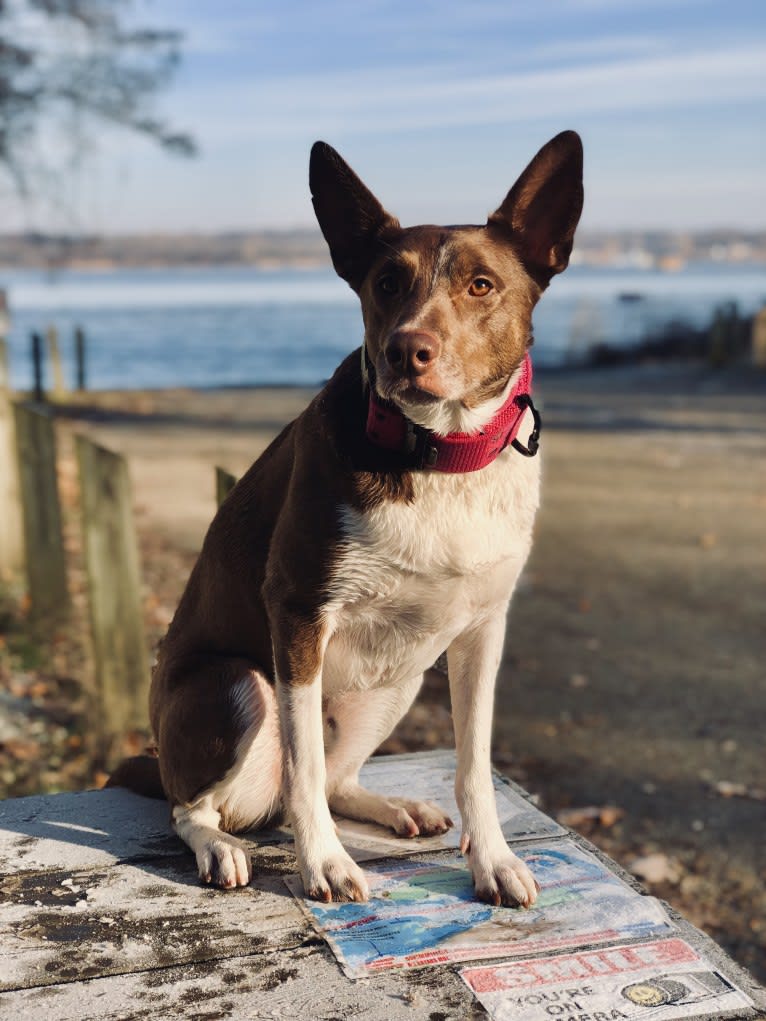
(425, 912)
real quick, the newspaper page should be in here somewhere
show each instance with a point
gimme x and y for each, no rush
(663, 980)
(427, 778)
(433, 779)
(424, 912)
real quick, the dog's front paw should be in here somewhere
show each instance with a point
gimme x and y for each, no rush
(500, 877)
(335, 878)
(223, 861)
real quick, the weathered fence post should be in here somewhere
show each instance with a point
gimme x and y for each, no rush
(224, 483)
(37, 367)
(79, 357)
(11, 544)
(111, 559)
(41, 512)
(54, 353)
(758, 338)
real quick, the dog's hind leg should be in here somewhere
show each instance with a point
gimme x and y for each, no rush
(354, 728)
(221, 859)
(221, 764)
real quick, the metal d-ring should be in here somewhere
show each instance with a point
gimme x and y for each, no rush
(533, 443)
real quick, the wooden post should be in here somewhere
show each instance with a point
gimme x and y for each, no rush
(52, 337)
(5, 317)
(224, 483)
(43, 541)
(758, 338)
(111, 559)
(79, 357)
(37, 367)
(11, 543)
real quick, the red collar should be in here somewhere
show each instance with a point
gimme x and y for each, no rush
(389, 428)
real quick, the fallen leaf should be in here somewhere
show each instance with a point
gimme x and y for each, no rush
(23, 751)
(656, 868)
(600, 815)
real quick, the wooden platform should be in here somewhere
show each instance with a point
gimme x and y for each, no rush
(101, 916)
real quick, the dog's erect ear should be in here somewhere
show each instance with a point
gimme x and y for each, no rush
(350, 216)
(543, 207)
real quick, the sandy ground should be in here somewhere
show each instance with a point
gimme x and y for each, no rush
(633, 678)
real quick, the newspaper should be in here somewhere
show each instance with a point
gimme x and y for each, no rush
(424, 912)
(427, 778)
(434, 780)
(663, 980)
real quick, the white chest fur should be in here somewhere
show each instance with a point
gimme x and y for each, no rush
(413, 576)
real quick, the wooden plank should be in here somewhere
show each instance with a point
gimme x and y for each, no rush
(68, 924)
(301, 984)
(43, 538)
(114, 586)
(141, 938)
(11, 542)
(224, 483)
(84, 829)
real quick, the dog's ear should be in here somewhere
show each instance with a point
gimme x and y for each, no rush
(350, 216)
(543, 207)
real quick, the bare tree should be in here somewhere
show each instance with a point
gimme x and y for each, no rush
(65, 64)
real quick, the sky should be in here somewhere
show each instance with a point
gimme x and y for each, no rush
(438, 106)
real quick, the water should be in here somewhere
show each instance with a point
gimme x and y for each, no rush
(219, 326)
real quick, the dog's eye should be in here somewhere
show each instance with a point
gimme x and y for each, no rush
(479, 287)
(388, 284)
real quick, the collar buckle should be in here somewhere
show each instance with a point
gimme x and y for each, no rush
(533, 443)
(416, 445)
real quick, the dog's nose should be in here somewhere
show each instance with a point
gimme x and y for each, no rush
(412, 352)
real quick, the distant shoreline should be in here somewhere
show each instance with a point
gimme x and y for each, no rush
(306, 248)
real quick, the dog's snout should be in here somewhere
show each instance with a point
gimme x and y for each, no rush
(412, 352)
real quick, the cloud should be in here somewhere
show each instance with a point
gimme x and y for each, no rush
(381, 99)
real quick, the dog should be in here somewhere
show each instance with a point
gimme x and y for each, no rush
(389, 522)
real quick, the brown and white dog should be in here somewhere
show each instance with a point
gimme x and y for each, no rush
(359, 546)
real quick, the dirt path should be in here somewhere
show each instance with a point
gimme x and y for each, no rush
(633, 673)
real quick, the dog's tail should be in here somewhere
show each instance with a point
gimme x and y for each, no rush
(140, 774)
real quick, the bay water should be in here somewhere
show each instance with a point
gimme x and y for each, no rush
(246, 326)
